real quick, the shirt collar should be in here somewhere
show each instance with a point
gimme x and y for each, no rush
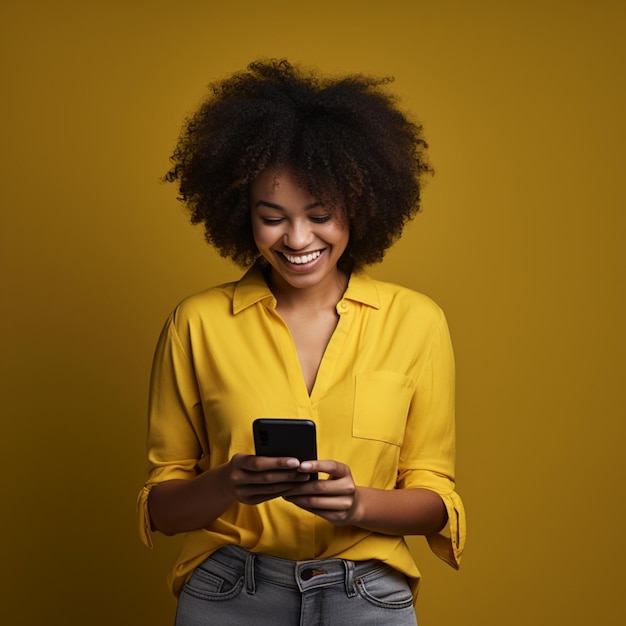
(362, 288)
(252, 288)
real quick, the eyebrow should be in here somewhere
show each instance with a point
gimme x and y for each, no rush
(271, 205)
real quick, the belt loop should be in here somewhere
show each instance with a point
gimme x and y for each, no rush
(349, 578)
(249, 574)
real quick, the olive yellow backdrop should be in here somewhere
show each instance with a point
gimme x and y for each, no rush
(520, 241)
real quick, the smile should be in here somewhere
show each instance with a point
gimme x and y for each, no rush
(299, 259)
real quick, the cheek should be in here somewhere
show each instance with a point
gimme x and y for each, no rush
(260, 234)
(341, 237)
(341, 231)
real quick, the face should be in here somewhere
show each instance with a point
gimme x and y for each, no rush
(300, 238)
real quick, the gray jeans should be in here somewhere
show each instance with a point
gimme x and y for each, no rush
(234, 587)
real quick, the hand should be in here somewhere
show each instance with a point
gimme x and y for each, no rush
(254, 479)
(335, 499)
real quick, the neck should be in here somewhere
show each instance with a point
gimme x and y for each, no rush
(324, 295)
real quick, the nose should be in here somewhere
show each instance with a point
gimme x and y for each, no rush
(298, 236)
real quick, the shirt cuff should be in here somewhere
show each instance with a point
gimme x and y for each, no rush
(143, 517)
(450, 548)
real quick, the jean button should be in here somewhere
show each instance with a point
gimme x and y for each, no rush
(308, 573)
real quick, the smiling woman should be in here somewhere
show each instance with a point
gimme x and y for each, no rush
(303, 180)
(343, 139)
(297, 235)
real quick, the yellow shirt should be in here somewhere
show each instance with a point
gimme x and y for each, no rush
(383, 403)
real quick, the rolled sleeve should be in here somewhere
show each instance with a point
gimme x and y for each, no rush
(450, 543)
(144, 524)
(428, 452)
(174, 422)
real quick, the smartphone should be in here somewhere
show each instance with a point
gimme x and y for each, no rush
(285, 437)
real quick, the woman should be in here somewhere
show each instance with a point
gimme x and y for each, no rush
(304, 180)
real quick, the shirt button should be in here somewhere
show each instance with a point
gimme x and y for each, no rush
(342, 306)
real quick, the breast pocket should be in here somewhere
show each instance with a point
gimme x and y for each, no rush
(381, 406)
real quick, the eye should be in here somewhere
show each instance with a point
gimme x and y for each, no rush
(319, 219)
(272, 221)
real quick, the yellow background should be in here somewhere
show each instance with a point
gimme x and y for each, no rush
(520, 240)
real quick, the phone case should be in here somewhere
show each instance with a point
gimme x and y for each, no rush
(285, 437)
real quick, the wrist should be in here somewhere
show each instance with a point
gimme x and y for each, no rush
(358, 512)
(219, 486)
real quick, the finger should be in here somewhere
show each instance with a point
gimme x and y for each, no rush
(263, 491)
(334, 469)
(254, 463)
(258, 478)
(316, 503)
(323, 488)
(338, 516)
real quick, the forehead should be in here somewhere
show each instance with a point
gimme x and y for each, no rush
(279, 182)
(281, 179)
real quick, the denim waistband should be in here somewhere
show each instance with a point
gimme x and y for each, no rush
(302, 575)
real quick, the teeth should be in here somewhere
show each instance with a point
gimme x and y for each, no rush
(306, 258)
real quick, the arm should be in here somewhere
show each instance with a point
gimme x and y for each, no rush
(424, 499)
(179, 505)
(399, 512)
(178, 497)
(391, 512)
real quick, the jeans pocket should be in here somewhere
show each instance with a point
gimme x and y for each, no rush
(213, 581)
(385, 587)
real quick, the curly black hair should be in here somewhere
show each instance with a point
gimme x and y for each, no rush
(344, 139)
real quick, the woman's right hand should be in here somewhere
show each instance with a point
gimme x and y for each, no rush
(178, 505)
(254, 479)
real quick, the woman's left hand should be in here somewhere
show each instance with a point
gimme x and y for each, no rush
(336, 499)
